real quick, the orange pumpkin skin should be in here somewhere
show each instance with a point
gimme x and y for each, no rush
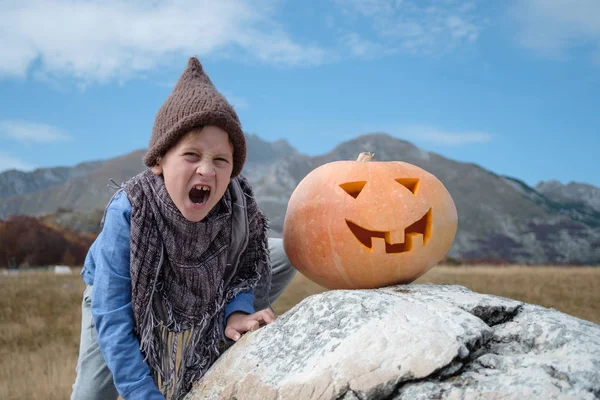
(321, 244)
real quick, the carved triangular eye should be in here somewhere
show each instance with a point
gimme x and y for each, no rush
(353, 188)
(411, 184)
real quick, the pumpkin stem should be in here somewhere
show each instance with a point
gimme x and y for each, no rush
(365, 156)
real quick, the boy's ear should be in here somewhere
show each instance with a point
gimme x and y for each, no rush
(157, 169)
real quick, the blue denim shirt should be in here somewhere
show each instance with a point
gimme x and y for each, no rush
(106, 268)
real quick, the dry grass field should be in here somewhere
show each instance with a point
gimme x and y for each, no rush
(40, 312)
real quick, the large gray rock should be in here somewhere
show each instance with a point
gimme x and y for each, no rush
(411, 342)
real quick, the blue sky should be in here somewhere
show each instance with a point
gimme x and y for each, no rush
(513, 86)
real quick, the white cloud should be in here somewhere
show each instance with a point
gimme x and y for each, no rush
(28, 132)
(103, 40)
(441, 137)
(411, 26)
(8, 162)
(363, 48)
(552, 27)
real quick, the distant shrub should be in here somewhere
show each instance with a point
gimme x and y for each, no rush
(451, 261)
(26, 241)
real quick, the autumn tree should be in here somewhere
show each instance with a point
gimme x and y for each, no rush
(25, 240)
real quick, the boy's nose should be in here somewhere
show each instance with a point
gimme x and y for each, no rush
(205, 169)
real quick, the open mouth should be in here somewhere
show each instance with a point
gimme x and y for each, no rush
(421, 227)
(199, 194)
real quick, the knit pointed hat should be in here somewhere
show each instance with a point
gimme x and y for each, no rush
(194, 103)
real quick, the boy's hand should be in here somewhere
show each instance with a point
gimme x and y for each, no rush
(239, 323)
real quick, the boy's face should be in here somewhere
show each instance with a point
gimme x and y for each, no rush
(201, 160)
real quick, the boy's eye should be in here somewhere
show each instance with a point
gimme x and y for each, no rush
(191, 155)
(222, 159)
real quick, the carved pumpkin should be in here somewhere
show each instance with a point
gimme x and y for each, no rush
(362, 224)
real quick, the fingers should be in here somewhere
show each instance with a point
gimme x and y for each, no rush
(252, 325)
(265, 316)
(232, 333)
(237, 325)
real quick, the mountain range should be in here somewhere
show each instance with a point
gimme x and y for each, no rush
(501, 219)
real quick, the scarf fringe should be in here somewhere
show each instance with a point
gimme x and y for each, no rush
(198, 347)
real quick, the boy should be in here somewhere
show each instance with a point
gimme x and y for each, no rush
(183, 259)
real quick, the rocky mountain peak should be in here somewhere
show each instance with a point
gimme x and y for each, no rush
(501, 219)
(571, 192)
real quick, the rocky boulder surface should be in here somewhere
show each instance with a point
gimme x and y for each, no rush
(411, 342)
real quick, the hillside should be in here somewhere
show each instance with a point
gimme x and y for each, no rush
(500, 218)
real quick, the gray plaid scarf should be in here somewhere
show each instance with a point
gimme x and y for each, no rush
(180, 281)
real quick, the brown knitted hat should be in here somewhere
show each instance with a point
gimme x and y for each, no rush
(195, 102)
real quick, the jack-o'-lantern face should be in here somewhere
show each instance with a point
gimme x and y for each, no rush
(353, 224)
(365, 236)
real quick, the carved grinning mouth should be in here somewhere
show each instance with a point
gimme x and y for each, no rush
(421, 227)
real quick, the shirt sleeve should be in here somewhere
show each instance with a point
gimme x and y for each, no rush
(243, 302)
(112, 309)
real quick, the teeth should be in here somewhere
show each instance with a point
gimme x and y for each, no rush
(199, 187)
